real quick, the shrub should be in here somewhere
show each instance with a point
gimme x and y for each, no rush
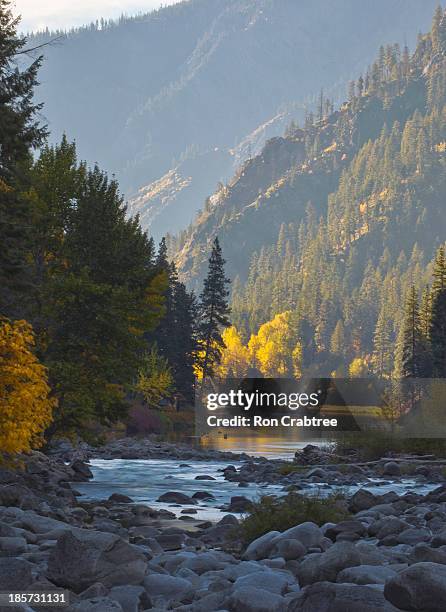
(373, 445)
(278, 514)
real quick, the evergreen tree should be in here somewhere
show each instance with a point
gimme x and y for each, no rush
(214, 312)
(382, 348)
(20, 132)
(175, 335)
(438, 316)
(412, 347)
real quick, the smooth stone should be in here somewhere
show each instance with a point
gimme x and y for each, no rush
(420, 588)
(255, 599)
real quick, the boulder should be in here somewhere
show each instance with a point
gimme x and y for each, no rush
(83, 557)
(329, 597)
(171, 541)
(366, 574)
(120, 498)
(362, 500)
(239, 503)
(176, 497)
(204, 477)
(131, 598)
(288, 549)
(167, 587)
(204, 562)
(308, 534)
(421, 588)
(202, 495)
(255, 599)
(274, 582)
(82, 470)
(423, 552)
(326, 566)
(15, 574)
(413, 536)
(96, 604)
(12, 546)
(391, 468)
(259, 548)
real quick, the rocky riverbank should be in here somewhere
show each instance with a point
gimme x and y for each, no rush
(388, 554)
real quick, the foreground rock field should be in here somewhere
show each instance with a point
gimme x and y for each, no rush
(388, 555)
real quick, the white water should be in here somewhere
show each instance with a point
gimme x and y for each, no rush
(145, 480)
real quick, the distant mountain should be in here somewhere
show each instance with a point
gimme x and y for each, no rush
(336, 220)
(172, 93)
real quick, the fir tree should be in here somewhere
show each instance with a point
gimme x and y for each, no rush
(214, 311)
(438, 316)
(20, 132)
(412, 345)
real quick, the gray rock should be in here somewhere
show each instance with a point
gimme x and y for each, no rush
(255, 599)
(82, 470)
(171, 541)
(176, 497)
(131, 598)
(366, 574)
(421, 588)
(391, 468)
(329, 597)
(423, 552)
(362, 500)
(288, 549)
(96, 604)
(413, 536)
(239, 503)
(83, 557)
(308, 534)
(259, 548)
(12, 546)
(120, 498)
(274, 582)
(204, 562)
(202, 495)
(15, 574)
(167, 587)
(326, 566)
(351, 526)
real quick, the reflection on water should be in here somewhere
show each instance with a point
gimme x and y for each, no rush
(261, 443)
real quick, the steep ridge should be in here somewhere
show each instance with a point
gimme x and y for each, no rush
(337, 219)
(202, 75)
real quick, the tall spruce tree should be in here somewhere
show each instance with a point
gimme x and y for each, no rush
(175, 336)
(438, 316)
(412, 343)
(19, 133)
(214, 312)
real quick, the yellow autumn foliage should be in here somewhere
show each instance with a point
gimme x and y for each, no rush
(234, 361)
(25, 403)
(272, 348)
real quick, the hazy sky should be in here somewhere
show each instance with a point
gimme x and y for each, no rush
(38, 14)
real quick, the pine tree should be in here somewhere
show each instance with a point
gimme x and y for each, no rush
(438, 316)
(382, 348)
(214, 312)
(20, 132)
(412, 348)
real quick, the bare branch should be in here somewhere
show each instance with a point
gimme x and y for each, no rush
(45, 44)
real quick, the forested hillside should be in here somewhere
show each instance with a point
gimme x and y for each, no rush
(337, 220)
(172, 100)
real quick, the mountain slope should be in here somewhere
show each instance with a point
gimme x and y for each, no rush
(144, 94)
(336, 220)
